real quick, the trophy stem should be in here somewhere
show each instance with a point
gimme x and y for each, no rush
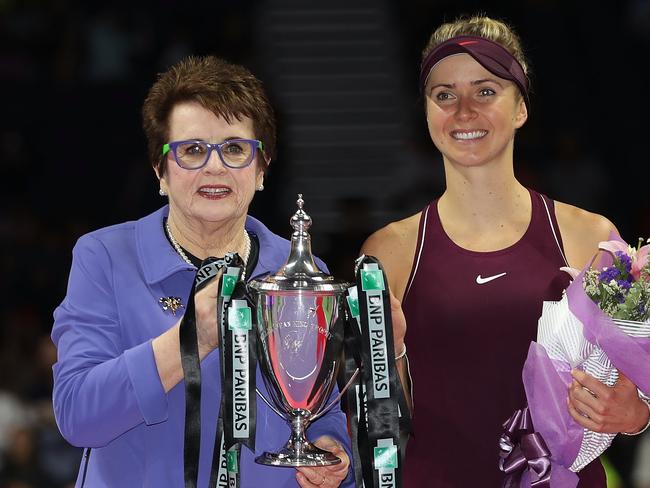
(298, 440)
(298, 451)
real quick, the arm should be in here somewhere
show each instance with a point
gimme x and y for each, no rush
(166, 347)
(592, 404)
(103, 388)
(394, 246)
(399, 332)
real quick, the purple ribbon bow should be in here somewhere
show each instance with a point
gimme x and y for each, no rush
(523, 449)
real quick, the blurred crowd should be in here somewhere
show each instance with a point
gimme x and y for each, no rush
(72, 156)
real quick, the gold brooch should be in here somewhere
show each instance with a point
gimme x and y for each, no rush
(171, 303)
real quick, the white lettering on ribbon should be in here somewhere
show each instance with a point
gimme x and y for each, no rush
(222, 474)
(240, 400)
(377, 338)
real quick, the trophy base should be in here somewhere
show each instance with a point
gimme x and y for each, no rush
(289, 458)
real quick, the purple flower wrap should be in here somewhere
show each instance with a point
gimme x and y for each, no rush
(631, 355)
(546, 381)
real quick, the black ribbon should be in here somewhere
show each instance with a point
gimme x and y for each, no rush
(355, 401)
(227, 474)
(376, 405)
(238, 370)
(190, 362)
(226, 459)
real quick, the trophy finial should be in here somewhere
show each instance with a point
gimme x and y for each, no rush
(300, 221)
(300, 272)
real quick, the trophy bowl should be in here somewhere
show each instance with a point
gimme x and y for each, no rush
(300, 322)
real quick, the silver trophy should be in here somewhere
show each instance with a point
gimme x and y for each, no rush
(300, 331)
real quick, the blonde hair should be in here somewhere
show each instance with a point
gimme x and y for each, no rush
(483, 26)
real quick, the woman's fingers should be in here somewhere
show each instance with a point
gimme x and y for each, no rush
(603, 408)
(325, 476)
(205, 303)
(305, 482)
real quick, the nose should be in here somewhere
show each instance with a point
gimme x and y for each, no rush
(466, 110)
(214, 164)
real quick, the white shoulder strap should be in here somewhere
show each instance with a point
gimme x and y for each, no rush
(550, 222)
(419, 253)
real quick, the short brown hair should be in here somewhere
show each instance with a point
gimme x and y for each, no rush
(482, 26)
(227, 90)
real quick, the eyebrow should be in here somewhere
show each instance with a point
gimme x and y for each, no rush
(200, 139)
(473, 83)
(487, 80)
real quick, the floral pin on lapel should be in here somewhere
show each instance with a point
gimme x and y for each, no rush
(171, 303)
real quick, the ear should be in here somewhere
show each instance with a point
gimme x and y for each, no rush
(267, 159)
(521, 115)
(161, 180)
(261, 172)
(259, 177)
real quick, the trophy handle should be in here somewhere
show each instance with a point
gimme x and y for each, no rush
(338, 397)
(259, 393)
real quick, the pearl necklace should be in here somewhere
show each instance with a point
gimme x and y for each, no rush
(181, 253)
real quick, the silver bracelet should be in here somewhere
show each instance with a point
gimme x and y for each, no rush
(647, 425)
(403, 353)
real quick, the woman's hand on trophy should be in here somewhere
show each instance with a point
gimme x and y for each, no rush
(205, 303)
(399, 324)
(325, 476)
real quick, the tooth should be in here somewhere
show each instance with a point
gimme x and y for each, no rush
(470, 135)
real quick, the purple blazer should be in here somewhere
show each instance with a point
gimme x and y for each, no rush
(107, 392)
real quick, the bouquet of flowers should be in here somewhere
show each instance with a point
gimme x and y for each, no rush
(621, 290)
(601, 325)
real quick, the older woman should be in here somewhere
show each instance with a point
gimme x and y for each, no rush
(211, 135)
(473, 268)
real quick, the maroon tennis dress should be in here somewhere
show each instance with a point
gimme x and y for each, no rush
(471, 317)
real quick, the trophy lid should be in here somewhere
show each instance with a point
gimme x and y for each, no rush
(300, 272)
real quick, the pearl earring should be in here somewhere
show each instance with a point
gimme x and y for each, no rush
(162, 193)
(261, 187)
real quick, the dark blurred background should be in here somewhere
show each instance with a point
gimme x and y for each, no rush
(352, 138)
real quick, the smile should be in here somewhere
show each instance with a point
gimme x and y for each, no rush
(468, 136)
(214, 191)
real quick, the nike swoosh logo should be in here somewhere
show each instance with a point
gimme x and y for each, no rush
(481, 281)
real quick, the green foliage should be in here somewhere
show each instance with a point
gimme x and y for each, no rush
(622, 297)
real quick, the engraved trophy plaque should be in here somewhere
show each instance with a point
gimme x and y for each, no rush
(300, 321)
